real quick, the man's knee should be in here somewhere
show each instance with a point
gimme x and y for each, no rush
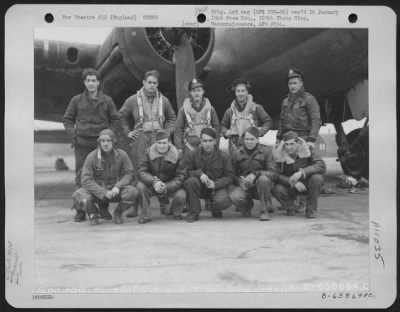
(83, 201)
(129, 194)
(263, 181)
(316, 179)
(180, 196)
(231, 188)
(222, 200)
(191, 183)
(238, 196)
(82, 194)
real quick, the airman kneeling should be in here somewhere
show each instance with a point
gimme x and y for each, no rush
(300, 172)
(161, 173)
(106, 177)
(253, 164)
(209, 173)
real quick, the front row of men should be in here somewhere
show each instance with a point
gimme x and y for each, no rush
(254, 171)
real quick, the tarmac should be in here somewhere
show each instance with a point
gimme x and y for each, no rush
(228, 255)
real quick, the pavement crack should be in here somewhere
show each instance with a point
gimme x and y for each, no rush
(235, 278)
(244, 254)
(359, 239)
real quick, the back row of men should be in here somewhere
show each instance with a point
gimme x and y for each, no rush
(194, 168)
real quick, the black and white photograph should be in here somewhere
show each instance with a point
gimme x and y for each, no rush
(216, 159)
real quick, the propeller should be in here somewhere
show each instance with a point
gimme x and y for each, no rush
(185, 69)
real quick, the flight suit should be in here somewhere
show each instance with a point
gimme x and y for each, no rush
(237, 119)
(100, 174)
(147, 115)
(191, 120)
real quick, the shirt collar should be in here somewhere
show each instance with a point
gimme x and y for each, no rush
(86, 93)
(202, 103)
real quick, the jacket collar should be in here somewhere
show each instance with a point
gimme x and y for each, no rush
(213, 155)
(249, 101)
(190, 101)
(202, 103)
(281, 155)
(144, 96)
(243, 154)
(100, 159)
(294, 97)
(100, 95)
(114, 151)
(171, 156)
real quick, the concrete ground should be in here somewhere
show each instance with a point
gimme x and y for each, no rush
(228, 255)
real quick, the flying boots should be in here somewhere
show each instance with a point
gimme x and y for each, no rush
(91, 211)
(104, 213)
(118, 213)
(80, 215)
(164, 205)
(133, 211)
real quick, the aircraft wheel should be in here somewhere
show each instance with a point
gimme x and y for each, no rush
(356, 164)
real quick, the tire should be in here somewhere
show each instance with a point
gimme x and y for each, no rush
(358, 165)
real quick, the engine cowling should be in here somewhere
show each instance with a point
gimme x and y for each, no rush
(129, 52)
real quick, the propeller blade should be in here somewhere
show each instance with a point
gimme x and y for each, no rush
(185, 69)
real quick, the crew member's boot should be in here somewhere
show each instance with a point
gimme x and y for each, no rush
(264, 216)
(299, 205)
(192, 217)
(104, 213)
(246, 211)
(91, 211)
(207, 204)
(133, 211)
(270, 206)
(79, 215)
(216, 213)
(94, 218)
(118, 213)
(164, 205)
